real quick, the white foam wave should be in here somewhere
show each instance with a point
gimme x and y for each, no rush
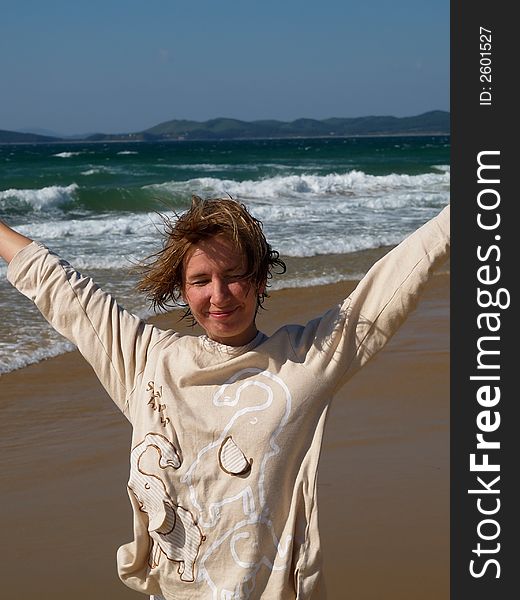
(315, 245)
(127, 152)
(304, 228)
(209, 167)
(19, 358)
(40, 199)
(67, 154)
(233, 167)
(353, 183)
(102, 228)
(291, 283)
(98, 170)
(116, 244)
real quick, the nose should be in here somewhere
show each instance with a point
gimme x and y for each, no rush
(219, 292)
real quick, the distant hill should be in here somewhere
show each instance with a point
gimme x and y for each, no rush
(41, 131)
(429, 123)
(434, 122)
(15, 137)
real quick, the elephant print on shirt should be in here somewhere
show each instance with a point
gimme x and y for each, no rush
(171, 527)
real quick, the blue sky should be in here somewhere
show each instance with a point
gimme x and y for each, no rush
(125, 65)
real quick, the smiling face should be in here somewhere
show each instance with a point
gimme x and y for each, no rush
(222, 299)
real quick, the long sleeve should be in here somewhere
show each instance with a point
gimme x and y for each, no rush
(112, 340)
(392, 288)
(336, 345)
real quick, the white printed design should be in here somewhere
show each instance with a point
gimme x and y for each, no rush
(172, 528)
(258, 403)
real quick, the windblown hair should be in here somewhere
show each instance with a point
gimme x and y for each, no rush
(163, 273)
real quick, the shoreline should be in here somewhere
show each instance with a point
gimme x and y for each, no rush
(170, 319)
(233, 139)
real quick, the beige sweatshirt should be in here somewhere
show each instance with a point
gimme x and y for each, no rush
(226, 440)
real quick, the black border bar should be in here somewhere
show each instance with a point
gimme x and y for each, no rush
(485, 421)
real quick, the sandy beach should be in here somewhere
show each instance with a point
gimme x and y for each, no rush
(383, 484)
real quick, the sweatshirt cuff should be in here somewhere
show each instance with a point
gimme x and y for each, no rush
(17, 265)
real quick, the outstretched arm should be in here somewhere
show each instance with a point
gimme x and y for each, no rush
(113, 341)
(347, 336)
(11, 242)
(392, 287)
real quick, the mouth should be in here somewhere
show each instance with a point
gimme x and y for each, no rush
(222, 314)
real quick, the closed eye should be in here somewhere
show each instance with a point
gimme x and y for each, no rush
(229, 278)
(199, 282)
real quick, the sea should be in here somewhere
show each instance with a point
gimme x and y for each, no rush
(330, 206)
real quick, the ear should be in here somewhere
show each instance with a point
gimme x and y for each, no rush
(261, 288)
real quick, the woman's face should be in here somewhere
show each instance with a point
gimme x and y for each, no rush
(222, 300)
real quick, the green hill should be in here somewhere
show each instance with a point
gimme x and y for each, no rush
(434, 122)
(14, 137)
(429, 123)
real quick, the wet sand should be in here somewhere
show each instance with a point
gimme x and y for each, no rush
(383, 483)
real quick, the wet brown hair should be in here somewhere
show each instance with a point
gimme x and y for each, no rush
(162, 274)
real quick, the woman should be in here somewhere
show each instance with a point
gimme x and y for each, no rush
(227, 426)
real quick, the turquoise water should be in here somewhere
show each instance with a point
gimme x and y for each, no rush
(326, 204)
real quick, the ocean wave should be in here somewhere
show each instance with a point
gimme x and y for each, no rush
(320, 245)
(39, 199)
(67, 154)
(21, 357)
(303, 229)
(208, 166)
(352, 183)
(99, 170)
(119, 244)
(103, 227)
(298, 282)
